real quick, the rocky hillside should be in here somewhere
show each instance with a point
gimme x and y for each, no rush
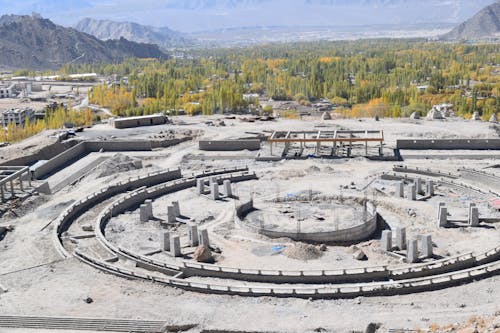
(35, 43)
(106, 29)
(485, 24)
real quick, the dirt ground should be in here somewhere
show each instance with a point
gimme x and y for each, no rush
(40, 283)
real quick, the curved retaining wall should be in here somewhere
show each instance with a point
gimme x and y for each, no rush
(357, 233)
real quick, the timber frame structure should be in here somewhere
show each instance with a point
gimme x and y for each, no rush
(335, 140)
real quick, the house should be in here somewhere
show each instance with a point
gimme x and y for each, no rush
(17, 116)
(149, 120)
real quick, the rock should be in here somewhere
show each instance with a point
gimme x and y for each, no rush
(89, 300)
(322, 247)
(415, 115)
(494, 118)
(326, 116)
(372, 327)
(87, 227)
(377, 118)
(202, 253)
(359, 255)
(434, 114)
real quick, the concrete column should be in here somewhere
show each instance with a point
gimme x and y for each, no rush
(474, 217)
(471, 205)
(193, 235)
(401, 238)
(177, 209)
(214, 191)
(440, 204)
(149, 205)
(175, 246)
(200, 186)
(386, 240)
(171, 214)
(21, 183)
(165, 241)
(418, 185)
(443, 216)
(430, 187)
(227, 188)
(12, 187)
(411, 192)
(400, 188)
(203, 237)
(143, 211)
(412, 252)
(213, 180)
(426, 246)
(2, 194)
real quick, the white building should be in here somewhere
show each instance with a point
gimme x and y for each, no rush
(17, 116)
(7, 91)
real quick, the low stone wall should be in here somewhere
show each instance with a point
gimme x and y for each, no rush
(357, 233)
(444, 144)
(60, 161)
(229, 145)
(46, 153)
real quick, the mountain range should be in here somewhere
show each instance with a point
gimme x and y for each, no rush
(106, 29)
(33, 42)
(485, 24)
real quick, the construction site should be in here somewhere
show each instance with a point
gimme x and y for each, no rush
(218, 224)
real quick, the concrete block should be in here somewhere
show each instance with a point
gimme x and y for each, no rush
(214, 191)
(175, 246)
(165, 241)
(171, 214)
(440, 204)
(200, 186)
(149, 205)
(418, 185)
(443, 216)
(430, 187)
(411, 192)
(386, 240)
(400, 188)
(143, 212)
(426, 246)
(474, 217)
(227, 188)
(203, 237)
(412, 252)
(193, 235)
(177, 209)
(213, 180)
(401, 238)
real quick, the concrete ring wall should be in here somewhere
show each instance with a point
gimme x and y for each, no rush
(357, 233)
(445, 144)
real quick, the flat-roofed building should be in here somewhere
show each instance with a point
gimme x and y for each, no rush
(7, 91)
(17, 116)
(149, 120)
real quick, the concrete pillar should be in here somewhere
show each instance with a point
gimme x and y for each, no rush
(430, 187)
(401, 238)
(200, 186)
(440, 204)
(213, 180)
(471, 205)
(411, 192)
(474, 217)
(227, 188)
(165, 241)
(177, 209)
(171, 214)
(144, 213)
(412, 252)
(443, 216)
(426, 246)
(203, 237)
(21, 183)
(193, 235)
(2, 194)
(149, 205)
(386, 240)
(214, 191)
(12, 187)
(400, 188)
(175, 246)
(418, 185)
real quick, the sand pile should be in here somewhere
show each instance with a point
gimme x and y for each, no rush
(302, 251)
(116, 164)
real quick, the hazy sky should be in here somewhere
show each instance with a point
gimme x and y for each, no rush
(192, 15)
